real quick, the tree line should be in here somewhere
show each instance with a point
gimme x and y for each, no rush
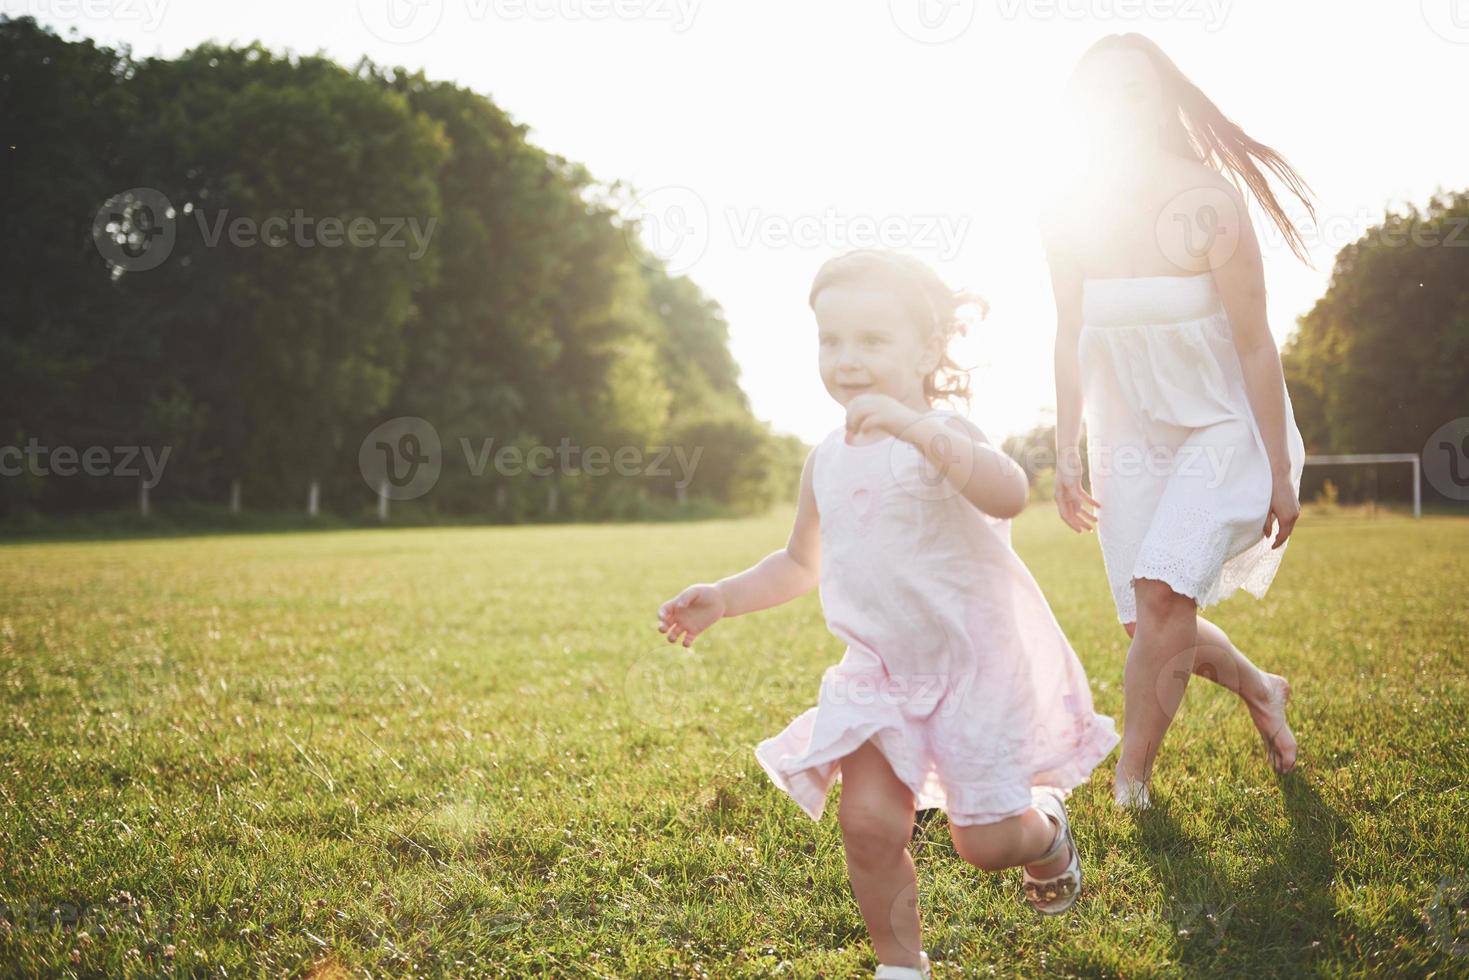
(253, 260)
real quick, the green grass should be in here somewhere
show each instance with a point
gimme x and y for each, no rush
(446, 751)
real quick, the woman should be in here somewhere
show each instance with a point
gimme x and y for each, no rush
(1162, 342)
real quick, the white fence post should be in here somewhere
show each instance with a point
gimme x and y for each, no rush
(1417, 488)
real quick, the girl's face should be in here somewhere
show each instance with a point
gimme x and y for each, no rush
(1117, 97)
(869, 344)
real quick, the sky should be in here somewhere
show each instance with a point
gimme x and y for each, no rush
(761, 137)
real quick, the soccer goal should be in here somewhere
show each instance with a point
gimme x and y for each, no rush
(1373, 458)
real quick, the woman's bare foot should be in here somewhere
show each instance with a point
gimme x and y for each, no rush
(1129, 793)
(1269, 718)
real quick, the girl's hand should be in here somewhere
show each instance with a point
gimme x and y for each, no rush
(1074, 503)
(1284, 509)
(878, 413)
(691, 612)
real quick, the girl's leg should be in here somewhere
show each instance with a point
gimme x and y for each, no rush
(1011, 842)
(1159, 663)
(1219, 660)
(876, 814)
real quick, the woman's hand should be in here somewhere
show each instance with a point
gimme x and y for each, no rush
(1284, 510)
(1074, 503)
(690, 613)
(878, 413)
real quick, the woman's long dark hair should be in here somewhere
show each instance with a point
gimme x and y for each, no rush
(1196, 129)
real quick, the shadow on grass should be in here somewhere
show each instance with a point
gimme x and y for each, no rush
(1279, 921)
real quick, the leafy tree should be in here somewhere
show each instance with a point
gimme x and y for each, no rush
(1382, 359)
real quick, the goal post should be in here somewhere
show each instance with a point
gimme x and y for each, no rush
(1381, 458)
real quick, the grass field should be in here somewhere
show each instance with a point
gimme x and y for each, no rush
(462, 751)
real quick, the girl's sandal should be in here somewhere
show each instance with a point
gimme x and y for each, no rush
(1052, 896)
(885, 972)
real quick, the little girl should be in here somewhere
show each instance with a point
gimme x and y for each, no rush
(958, 689)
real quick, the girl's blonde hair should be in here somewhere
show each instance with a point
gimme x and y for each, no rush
(935, 309)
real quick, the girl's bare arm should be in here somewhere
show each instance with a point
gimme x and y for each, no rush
(984, 475)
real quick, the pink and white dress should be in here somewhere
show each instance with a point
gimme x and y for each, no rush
(955, 665)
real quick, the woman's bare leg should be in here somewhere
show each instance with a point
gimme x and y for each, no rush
(876, 814)
(1264, 694)
(1159, 663)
